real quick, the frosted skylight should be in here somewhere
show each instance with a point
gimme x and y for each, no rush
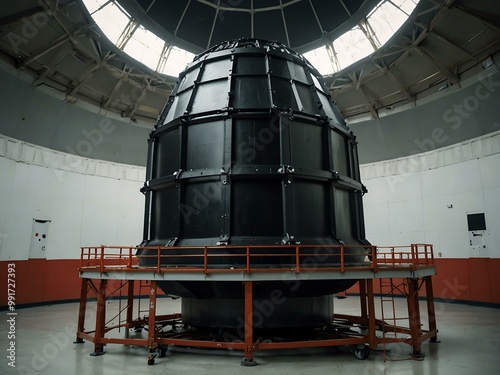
(387, 17)
(144, 46)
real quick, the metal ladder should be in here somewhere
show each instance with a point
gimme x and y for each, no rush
(143, 284)
(388, 311)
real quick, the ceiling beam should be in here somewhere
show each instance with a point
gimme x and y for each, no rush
(127, 33)
(441, 14)
(50, 66)
(12, 19)
(182, 17)
(43, 50)
(345, 8)
(247, 10)
(495, 26)
(84, 77)
(123, 73)
(138, 101)
(368, 104)
(457, 47)
(284, 24)
(316, 17)
(213, 25)
(438, 64)
(403, 90)
(332, 55)
(367, 29)
(359, 88)
(252, 20)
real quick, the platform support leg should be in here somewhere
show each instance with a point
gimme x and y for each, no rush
(414, 317)
(100, 321)
(130, 307)
(152, 317)
(362, 300)
(371, 314)
(81, 311)
(431, 312)
(248, 329)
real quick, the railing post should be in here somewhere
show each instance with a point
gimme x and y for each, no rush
(374, 260)
(248, 259)
(129, 264)
(205, 259)
(82, 249)
(297, 259)
(101, 263)
(342, 258)
(158, 265)
(413, 257)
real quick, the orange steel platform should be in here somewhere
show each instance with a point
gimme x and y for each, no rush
(413, 264)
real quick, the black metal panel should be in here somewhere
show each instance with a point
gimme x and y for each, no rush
(311, 210)
(307, 143)
(309, 102)
(166, 214)
(283, 95)
(250, 64)
(256, 141)
(255, 206)
(167, 154)
(203, 200)
(251, 92)
(211, 96)
(343, 215)
(339, 153)
(205, 145)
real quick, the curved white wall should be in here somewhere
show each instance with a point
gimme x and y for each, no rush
(89, 202)
(425, 198)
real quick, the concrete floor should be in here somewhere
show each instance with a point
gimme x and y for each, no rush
(470, 343)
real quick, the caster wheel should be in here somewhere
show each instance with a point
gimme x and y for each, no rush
(151, 359)
(361, 353)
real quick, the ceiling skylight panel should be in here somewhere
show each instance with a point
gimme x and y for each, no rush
(111, 19)
(177, 61)
(145, 47)
(320, 60)
(388, 18)
(351, 47)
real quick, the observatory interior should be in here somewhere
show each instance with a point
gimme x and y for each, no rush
(292, 183)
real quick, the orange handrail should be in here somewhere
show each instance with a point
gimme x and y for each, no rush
(411, 257)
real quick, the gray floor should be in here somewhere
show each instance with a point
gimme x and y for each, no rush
(470, 343)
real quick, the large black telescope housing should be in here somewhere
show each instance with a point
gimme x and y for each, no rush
(251, 150)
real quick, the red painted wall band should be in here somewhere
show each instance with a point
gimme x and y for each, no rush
(40, 280)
